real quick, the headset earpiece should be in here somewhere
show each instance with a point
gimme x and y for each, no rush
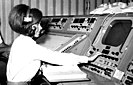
(27, 18)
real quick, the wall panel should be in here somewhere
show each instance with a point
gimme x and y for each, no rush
(65, 7)
(58, 7)
(42, 7)
(34, 3)
(73, 7)
(92, 5)
(112, 1)
(7, 31)
(50, 7)
(25, 2)
(80, 7)
(46, 7)
(105, 1)
(3, 20)
(98, 2)
(117, 0)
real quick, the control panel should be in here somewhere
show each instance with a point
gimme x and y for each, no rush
(128, 77)
(58, 23)
(83, 24)
(83, 30)
(80, 30)
(73, 24)
(111, 35)
(113, 41)
(127, 68)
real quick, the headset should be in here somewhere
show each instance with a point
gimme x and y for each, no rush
(28, 21)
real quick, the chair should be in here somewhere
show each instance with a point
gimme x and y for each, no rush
(4, 52)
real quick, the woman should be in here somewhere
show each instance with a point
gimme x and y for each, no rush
(25, 55)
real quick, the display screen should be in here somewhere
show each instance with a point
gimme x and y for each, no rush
(81, 20)
(76, 20)
(64, 20)
(55, 20)
(91, 20)
(117, 33)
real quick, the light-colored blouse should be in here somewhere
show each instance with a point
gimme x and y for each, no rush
(25, 56)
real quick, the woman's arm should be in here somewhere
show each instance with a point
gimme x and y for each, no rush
(55, 57)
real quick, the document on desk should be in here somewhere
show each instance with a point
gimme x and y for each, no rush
(63, 73)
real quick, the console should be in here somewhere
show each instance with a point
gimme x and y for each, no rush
(114, 42)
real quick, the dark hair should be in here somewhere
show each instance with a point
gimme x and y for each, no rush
(17, 16)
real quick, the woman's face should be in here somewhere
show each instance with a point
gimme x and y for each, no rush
(37, 28)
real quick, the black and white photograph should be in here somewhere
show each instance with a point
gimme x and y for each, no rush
(66, 42)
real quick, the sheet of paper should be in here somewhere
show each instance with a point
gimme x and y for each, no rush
(63, 73)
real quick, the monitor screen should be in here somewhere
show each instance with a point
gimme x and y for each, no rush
(76, 20)
(55, 20)
(81, 20)
(91, 20)
(117, 32)
(64, 20)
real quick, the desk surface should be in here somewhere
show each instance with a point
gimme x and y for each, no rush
(53, 41)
